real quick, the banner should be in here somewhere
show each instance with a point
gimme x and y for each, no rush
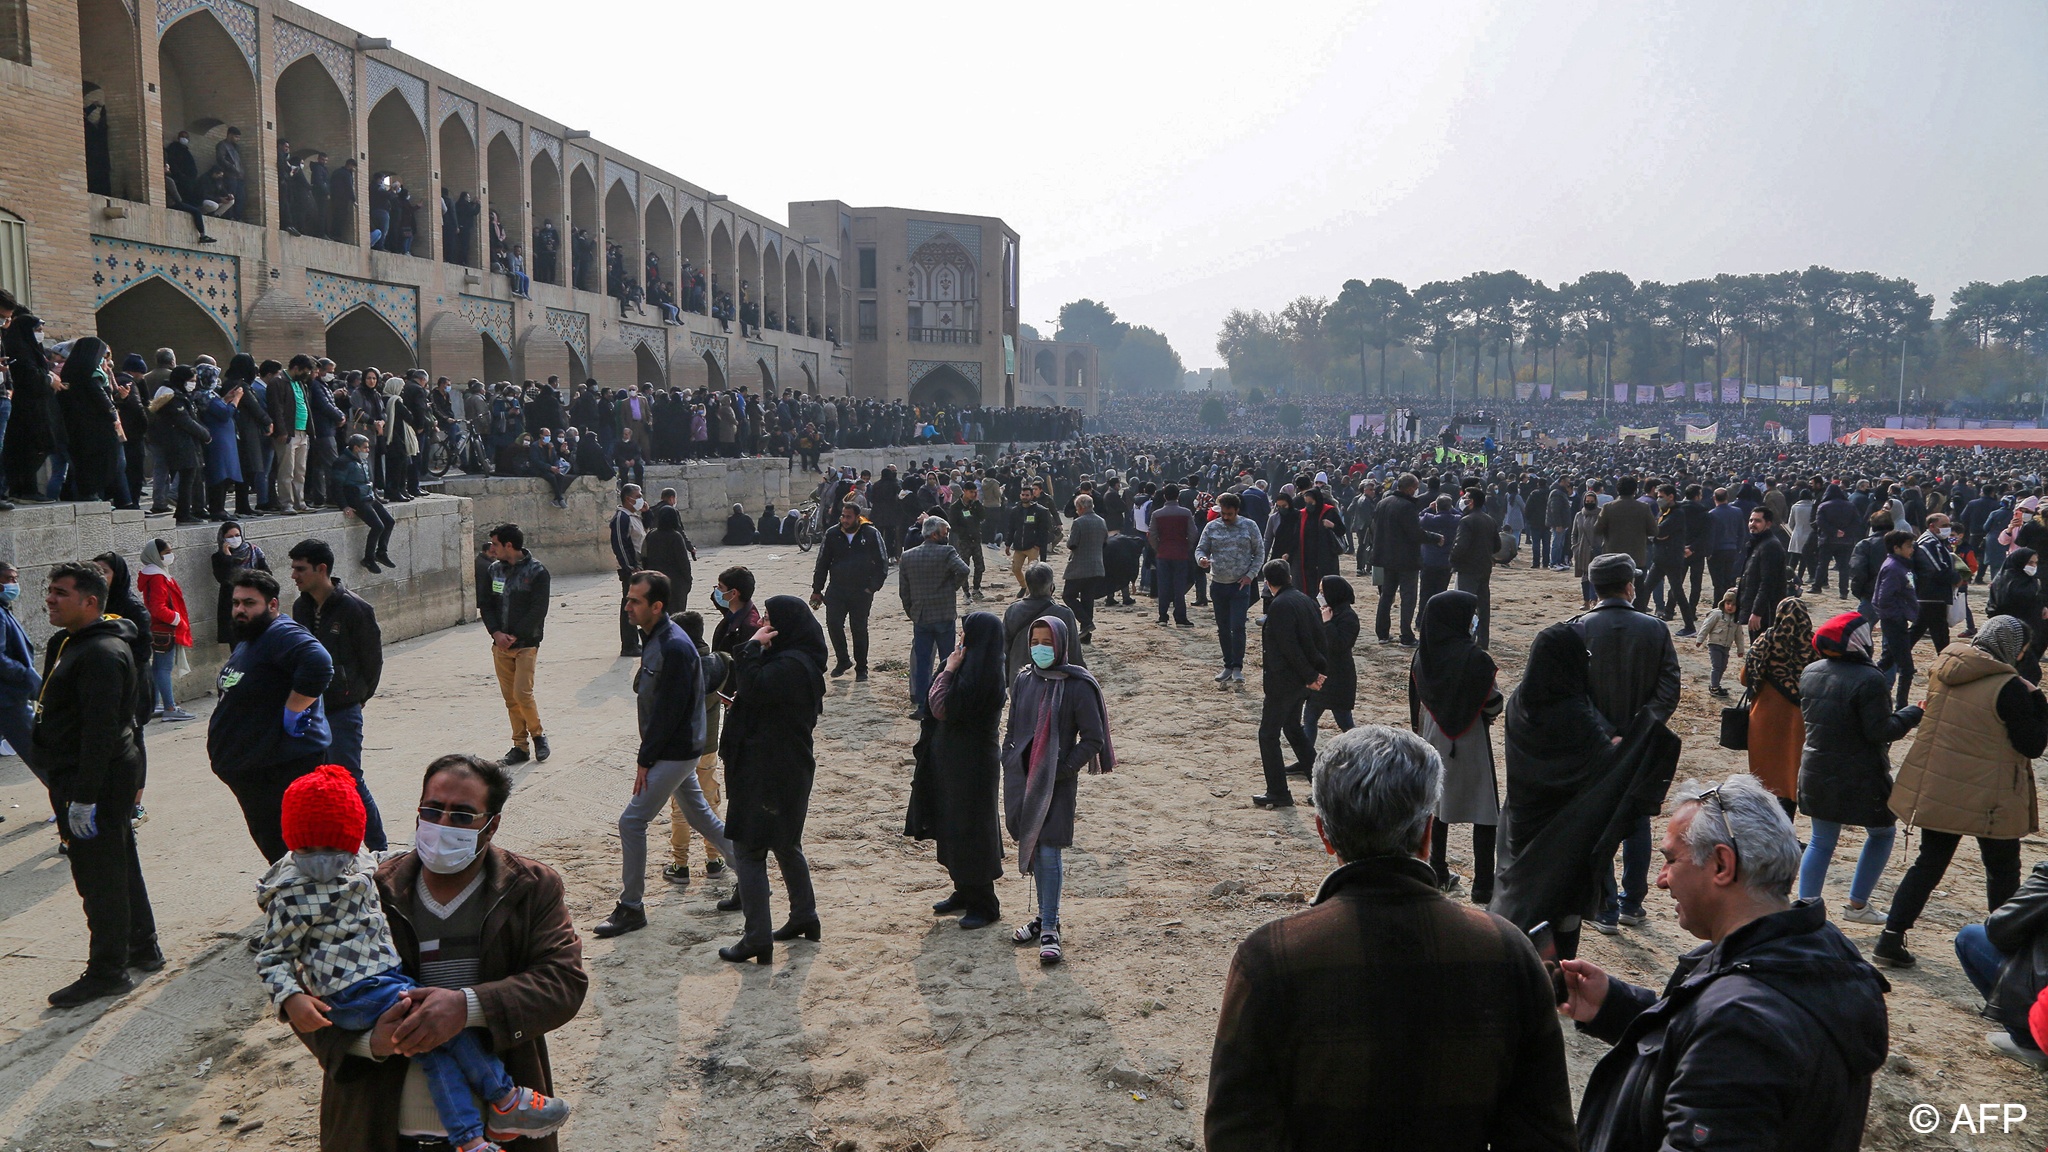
(1524, 391)
(1543, 390)
(1627, 433)
(1674, 391)
(1573, 394)
(1357, 424)
(1454, 456)
(1646, 393)
(1703, 393)
(1731, 391)
(1376, 423)
(1820, 429)
(1711, 434)
(1621, 393)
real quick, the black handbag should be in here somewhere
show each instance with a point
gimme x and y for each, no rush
(1735, 725)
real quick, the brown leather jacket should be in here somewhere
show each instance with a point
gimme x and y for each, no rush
(531, 984)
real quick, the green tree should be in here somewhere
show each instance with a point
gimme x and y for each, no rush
(1093, 323)
(1290, 416)
(1255, 396)
(1144, 360)
(1375, 315)
(1214, 412)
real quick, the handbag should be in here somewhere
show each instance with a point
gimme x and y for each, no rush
(1735, 725)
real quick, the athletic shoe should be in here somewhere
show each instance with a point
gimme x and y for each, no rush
(179, 715)
(1607, 924)
(1863, 915)
(676, 873)
(1633, 917)
(2003, 1044)
(531, 1115)
(1222, 676)
(1237, 675)
(714, 866)
(1687, 632)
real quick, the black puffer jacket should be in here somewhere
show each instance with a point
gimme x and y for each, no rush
(1845, 774)
(1765, 1040)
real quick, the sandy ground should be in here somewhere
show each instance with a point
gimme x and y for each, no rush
(899, 1031)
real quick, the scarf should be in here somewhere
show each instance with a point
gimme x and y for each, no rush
(1452, 679)
(2003, 638)
(1780, 654)
(1042, 766)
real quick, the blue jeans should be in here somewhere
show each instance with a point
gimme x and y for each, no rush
(160, 675)
(345, 747)
(1981, 962)
(1232, 602)
(929, 644)
(60, 465)
(1560, 546)
(1635, 873)
(454, 1070)
(1174, 579)
(1820, 852)
(1048, 871)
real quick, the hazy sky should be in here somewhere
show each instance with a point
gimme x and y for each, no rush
(1179, 160)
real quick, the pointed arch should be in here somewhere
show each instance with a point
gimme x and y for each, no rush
(154, 313)
(503, 195)
(583, 218)
(834, 321)
(360, 338)
(714, 372)
(815, 316)
(459, 175)
(792, 294)
(313, 115)
(774, 303)
(725, 277)
(944, 388)
(622, 226)
(398, 150)
(547, 209)
(692, 249)
(648, 370)
(112, 73)
(747, 271)
(661, 239)
(207, 87)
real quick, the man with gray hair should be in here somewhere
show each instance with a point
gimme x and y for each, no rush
(930, 577)
(1386, 1015)
(1085, 538)
(1768, 1034)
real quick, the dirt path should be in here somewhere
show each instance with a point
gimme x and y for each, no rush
(899, 1031)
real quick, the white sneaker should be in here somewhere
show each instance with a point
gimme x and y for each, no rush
(2005, 1045)
(1868, 914)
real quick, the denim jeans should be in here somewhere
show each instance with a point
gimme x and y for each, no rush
(1174, 578)
(1635, 873)
(929, 644)
(1820, 852)
(1047, 872)
(1232, 602)
(1981, 962)
(345, 747)
(453, 1070)
(160, 674)
(60, 465)
(1897, 661)
(1560, 546)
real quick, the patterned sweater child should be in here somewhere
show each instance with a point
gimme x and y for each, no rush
(327, 958)
(1721, 630)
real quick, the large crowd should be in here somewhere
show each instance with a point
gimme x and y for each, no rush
(1767, 1034)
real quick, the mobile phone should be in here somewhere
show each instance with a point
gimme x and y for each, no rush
(1545, 940)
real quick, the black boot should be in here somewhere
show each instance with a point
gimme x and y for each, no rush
(624, 918)
(1890, 951)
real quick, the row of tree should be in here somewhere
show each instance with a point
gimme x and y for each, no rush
(1478, 335)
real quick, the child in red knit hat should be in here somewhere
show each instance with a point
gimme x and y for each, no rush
(327, 958)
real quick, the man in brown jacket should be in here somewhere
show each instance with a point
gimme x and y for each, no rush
(1387, 1016)
(489, 939)
(1626, 525)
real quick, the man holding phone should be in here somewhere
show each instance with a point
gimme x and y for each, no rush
(1337, 1032)
(1767, 1036)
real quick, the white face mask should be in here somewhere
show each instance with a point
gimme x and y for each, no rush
(445, 850)
(167, 558)
(2033, 568)
(233, 542)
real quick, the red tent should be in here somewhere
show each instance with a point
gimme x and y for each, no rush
(1950, 437)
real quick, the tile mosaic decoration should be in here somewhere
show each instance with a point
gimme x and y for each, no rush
(716, 346)
(539, 141)
(917, 232)
(656, 190)
(497, 122)
(806, 359)
(919, 369)
(771, 241)
(289, 42)
(615, 172)
(493, 318)
(652, 337)
(380, 78)
(235, 16)
(579, 156)
(767, 354)
(454, 105)
(213, 280)
(573, 328)
(334, 295)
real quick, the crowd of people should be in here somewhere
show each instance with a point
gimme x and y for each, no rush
(1769, 1032)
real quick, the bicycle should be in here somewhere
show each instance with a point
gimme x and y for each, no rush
(809, 533)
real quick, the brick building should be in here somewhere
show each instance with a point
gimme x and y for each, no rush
(98, 92)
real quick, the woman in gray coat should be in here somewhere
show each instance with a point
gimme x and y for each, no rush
(1085, 538)
(1058, 725)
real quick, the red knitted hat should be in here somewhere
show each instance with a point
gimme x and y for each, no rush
(323, 811)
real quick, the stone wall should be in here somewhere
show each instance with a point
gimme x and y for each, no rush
(430, 589)
(576, 538)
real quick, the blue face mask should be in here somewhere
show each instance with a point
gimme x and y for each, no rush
(8, 592)
(1041, 655)
(718, 597)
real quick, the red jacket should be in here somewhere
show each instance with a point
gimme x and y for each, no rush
(166, 603)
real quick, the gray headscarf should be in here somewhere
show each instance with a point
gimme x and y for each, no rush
(2003, 638)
